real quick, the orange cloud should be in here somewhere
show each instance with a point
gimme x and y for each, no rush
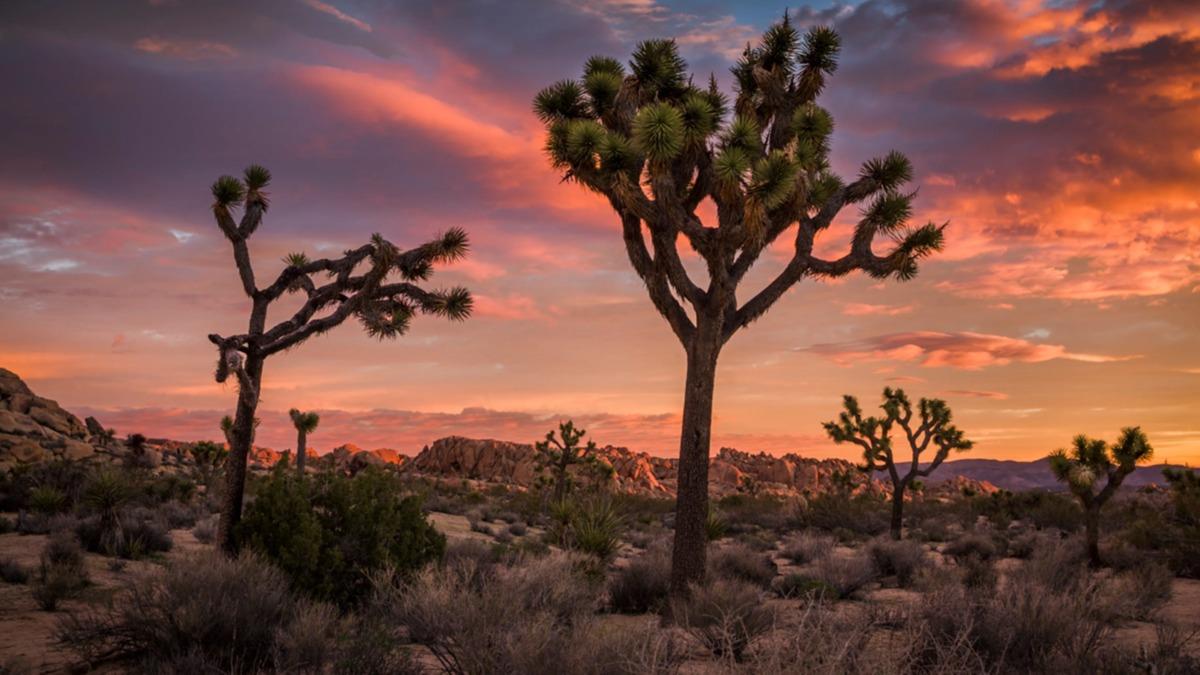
(964, 350)
(863, 309)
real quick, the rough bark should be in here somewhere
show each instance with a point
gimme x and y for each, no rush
(897, 510)
(241, 437)
(301, 451)
(691, 504)
(1092, 528)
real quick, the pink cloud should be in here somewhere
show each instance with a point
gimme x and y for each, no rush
(964, 350)
(862, 309)
(993, 395)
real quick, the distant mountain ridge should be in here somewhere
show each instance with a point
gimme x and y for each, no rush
(1032, 475)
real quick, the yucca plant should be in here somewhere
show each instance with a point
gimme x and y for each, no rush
(596, 527)
(931, 429)
(305, 423)
(655, 146)
(377, 283)
(1087, 462)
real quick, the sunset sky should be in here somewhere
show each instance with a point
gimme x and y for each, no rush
(1060, 139)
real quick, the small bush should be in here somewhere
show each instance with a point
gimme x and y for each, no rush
(801, 586)
(205, 530)
(643, 585)
(726, 616)
(715, 526)
(850, 517)
(135, 533)
(1139, 592)
(901, 559)
(13, 572)
(229, 615)
(518, 529)
(61, 572)
(805, 547)
(595, 528)
(742, 563)
(526, 619)
(178, 516)
(47, 500)
(329, 534)
(479, 526)
(972, 545)
(846, 575)
(7, 525)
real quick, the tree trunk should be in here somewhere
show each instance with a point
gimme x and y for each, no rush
(242, 436)
(301, 452)
(1092, 526)
(691, 502)
(897, 510)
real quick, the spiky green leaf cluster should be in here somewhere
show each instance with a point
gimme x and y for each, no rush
(890, 171)
(820, 50)
(257, 177)
(560, 101)
(744, 134)
(228, 191)
(584, 138)
(773, 180)
(699, 118)
(659, 69)
(658, 131)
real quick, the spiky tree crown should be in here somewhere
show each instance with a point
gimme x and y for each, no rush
(931, 424)
(656, 145)
(1089, 459)
(376, 282)
(304, 421)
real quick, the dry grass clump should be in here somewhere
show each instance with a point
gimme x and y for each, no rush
(643, 585)
(806, 547)
(726, 616)
(743, 563)
(536, 616)
(845, 575)
(61, 573)
(204, 614)
(901, 559)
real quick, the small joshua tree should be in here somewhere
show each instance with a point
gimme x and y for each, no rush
(874, 436)
(558, 454)
(208, 457)
(376, 283)
(656, 147)
(305, 424)
(1089, 459)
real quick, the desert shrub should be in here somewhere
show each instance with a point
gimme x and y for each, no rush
(528, 618)
(763, 510)
(643, 585)
(902, 559)
(7, 525)
(848, 517)
(479, 526)
(134, 533)
(13, 572)
(824, 640)
(178, 515)
(802, 586)
(517, 529)
(330, 533)
(726, 616)
(1055, 564)
(742, 563)
(61, 572)
(1054, 510)
(503, 537)
(306, 642)
(205, 530)
(806, 547)
(972, 545)
(715, 525)
(757, 539)
(596, 527)
(1138, 592)
(227, 615)
(47, 500)
(67, 477)
(846, 575)
(107, 491)
(1023, 545)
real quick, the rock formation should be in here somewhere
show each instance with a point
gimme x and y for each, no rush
(35, 429)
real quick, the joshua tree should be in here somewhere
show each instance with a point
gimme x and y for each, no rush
(376, 282)
(559, 454)
(656, 147)
(1085, 462)
(208, 457)
(874, 435)
(305, 424)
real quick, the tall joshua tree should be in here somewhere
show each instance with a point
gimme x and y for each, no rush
(655, 146)
(559, 454)
(874, 436)
(1089, 459)
(376, 283)
(305, 424)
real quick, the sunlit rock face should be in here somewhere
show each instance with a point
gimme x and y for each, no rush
(35, 429)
